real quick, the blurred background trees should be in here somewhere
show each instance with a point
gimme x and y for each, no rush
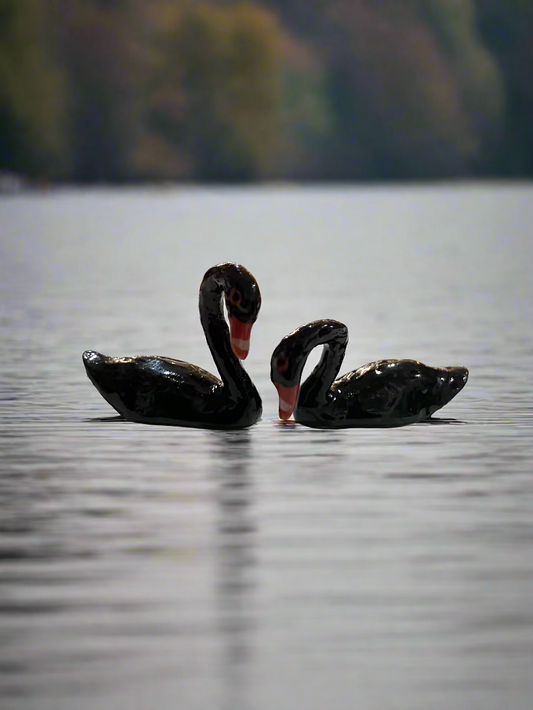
(215, 90)
(33, 112)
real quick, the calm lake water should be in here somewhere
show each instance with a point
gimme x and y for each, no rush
(279, 567)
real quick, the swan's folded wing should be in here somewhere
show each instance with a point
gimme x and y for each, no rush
(177, 373)
(160, 386)
(382, 388)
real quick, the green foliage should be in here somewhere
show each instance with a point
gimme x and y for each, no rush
(32, 91)
(220, 90)
(104, 73)
(507, 30)
(398, 105)
(307, 119)
(475, 70)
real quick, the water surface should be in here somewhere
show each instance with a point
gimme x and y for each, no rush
(277, 567)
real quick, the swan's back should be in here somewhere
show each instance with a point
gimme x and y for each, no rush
(150, 388)
(399, 389)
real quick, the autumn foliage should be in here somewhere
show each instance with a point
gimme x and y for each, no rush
(134, 90)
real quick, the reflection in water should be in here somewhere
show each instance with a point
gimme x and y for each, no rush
(236, 531)
(286, 424)
(290, 424)
(441, 420)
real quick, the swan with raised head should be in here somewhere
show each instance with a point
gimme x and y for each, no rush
(384, 393)
(160, 390)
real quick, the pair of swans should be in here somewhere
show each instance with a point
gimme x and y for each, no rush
(160, 390)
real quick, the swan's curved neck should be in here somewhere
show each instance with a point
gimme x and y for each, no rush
(216, 331)
(317, 386)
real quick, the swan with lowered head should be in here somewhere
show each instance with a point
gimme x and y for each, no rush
(385, 393)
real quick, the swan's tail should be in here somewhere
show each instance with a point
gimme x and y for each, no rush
(108, 378)
(93, 361)
(101, 369)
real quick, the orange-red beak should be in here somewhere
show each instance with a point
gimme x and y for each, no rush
(288, 398)
(240, 337)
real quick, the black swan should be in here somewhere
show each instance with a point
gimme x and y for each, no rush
(160, 390)
(385, 393)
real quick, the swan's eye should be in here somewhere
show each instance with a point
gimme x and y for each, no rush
(282, 363)
(235, 297)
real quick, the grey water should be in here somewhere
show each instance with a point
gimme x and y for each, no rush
(277, 567)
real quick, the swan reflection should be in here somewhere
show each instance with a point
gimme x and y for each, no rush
(236, 561)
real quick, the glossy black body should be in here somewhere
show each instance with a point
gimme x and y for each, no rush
(160, 390)
(384, 393)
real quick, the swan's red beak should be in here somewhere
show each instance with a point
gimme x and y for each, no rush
(288, 398)
(240, 337)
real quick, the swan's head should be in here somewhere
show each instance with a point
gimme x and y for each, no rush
(243, 302)
(286, 367)
(241, 294)
(289, 358)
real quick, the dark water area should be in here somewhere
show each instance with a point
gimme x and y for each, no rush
(277, 567)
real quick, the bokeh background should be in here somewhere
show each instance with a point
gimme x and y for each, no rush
(221, 91)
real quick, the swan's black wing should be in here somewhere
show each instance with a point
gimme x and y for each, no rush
(397, 390)
(153, 388)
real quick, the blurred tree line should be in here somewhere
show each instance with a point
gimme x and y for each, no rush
(117, 90)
